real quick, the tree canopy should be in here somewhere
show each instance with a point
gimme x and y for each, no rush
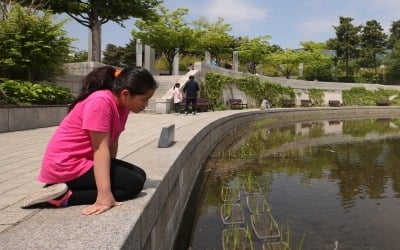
(252, 51)
(166, 34)
(32, 47)
(94, 13)
(213, 37)
(346, 42)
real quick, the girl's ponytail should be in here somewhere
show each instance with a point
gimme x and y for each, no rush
(100, 78)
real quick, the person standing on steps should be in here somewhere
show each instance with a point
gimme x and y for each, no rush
(177, 94)
(190, 89)
(79, 165)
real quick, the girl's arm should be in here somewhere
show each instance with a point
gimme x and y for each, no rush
(102, 161)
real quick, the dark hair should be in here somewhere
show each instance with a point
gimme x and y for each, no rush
(191, 77)
(177, 85)
(136, 80)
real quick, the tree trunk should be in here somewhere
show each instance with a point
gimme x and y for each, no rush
(95, 42)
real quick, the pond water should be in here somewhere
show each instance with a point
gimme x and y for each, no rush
(326, 184)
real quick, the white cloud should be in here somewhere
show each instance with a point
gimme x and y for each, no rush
(313, 28)
(235, 11)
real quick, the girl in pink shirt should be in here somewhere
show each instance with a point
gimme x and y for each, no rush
(79, 165)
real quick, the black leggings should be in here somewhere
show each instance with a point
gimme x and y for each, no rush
(127, 181)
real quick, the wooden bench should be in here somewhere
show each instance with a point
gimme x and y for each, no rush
(237, 104)
(306, 103)
(334, 103)
(202, 105)
(287, 103)
(382, 103)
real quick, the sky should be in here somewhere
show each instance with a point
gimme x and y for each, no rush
(287, 22)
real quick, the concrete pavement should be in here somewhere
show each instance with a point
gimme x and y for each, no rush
(151, 220)
(20, 157)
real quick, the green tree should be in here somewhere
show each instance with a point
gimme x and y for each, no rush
(373, 42)
(166, 34)
(284, 61)
(129, 56)
(346, 42)
(317, 65)
(95, 13)
(394, 36)
(393, 65)
(252, 51)
(113, 55)
(77, 56)
(214, 38)
(32, 47)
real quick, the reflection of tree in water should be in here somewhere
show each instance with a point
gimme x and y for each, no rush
(393, 162)
(358, 171)
(360, 128)
(361, 170)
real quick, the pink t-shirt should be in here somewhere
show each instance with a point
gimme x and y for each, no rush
(69, 153)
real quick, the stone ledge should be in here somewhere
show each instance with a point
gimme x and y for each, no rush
(14, 118)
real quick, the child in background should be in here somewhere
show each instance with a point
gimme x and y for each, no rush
(80, 165)
(177, 97)
(265, 104)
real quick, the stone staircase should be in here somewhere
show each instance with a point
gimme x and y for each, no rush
(165, 83)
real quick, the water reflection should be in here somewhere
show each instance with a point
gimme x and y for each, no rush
(333, 180)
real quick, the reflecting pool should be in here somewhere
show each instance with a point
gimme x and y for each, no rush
(326, 184)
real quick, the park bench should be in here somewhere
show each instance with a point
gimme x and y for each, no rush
(382, 103)
(334, 103)
(286, 103)
(305, 103)
(237, 104)
(202, 105)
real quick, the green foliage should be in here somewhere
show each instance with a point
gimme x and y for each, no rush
(317, 65)
(214, 38)
(252, 86)
(373, 41)
(94, 13)
(120, 56)
(316, 96)
(363, 97)
(252, 51)
(77, 56)
(26, 93)
(346, 43)
(284, 61)
(32, 47)
(113, 55)
(167, 33)
(393, 64)
(394, 34)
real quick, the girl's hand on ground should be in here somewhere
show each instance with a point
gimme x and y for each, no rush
(98, 208)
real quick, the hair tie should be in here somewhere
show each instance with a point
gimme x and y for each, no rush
(117, 72)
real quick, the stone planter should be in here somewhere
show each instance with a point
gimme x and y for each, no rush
(257, 204)
(265, 226)
(275, 245)
(236, 238)
(251, 188)
(230, 194)
(14, 118)
(232, 214)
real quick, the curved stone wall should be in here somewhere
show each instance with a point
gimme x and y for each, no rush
(164, 211)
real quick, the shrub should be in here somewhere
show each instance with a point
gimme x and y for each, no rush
(26, 93)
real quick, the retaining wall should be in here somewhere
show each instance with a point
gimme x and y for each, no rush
(14, 118)
(158, 225)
